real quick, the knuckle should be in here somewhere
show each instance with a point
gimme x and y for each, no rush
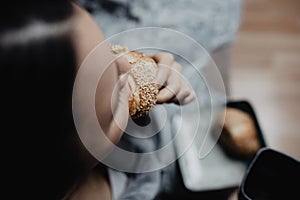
(168, 56)
(177, 66)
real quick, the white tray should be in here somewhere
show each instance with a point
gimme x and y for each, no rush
(213, 172)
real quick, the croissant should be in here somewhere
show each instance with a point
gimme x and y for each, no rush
(239, 135)
(141, 80)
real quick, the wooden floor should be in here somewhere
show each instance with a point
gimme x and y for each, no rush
(265, 69)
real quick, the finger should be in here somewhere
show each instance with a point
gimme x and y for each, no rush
(124, 95)
(173, 87)
(163, 58)
(151, 55)
(122, 65)
(189, 98)
(165, 95)
(164, 61)
(162, 75)
(174, 82)
(169, 75)
(120, 114)
(123, 80)
(168, 93)
(179, 98)
(176, 66)
(185, 96)
(185, 93)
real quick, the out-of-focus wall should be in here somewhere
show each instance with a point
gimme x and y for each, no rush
(266, 69)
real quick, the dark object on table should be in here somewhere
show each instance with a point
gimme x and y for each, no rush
(271, 175)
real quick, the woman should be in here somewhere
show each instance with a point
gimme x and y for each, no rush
(42, 44)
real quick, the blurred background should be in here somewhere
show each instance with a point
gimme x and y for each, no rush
(265, 69)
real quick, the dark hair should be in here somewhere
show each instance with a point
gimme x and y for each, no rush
(36, 87)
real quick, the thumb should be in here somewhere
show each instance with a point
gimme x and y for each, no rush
(122, 65)
(123, 80)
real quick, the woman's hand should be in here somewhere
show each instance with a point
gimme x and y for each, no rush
(120, 99)
(172, 86)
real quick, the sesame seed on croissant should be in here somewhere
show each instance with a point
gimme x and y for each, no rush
(141, 80)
